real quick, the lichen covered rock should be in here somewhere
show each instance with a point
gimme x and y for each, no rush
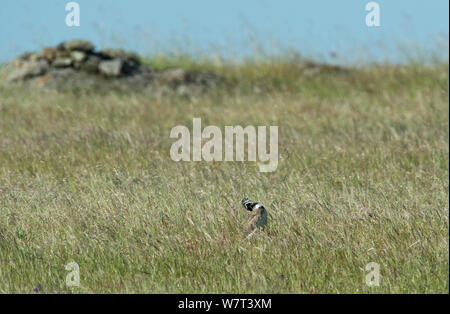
(28, 69)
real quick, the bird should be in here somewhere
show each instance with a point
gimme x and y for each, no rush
(257, 220)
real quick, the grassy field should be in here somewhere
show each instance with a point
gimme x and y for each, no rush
(363, 176)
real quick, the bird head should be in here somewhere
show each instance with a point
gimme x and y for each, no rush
(248, 205)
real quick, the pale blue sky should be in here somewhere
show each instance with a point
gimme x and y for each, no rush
(232, 27)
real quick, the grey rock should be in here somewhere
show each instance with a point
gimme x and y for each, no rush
(35, 57)
(119, 54)
(91, 64)
(28, 69)
(62, 62)
(173, 76)
(70, 79)
(49, 53)
(131, 61)
(112, 68)
(81, 45)
(62, 53)
(176, 77)
(78, 56)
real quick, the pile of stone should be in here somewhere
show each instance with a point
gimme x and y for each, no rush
(76, 65)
